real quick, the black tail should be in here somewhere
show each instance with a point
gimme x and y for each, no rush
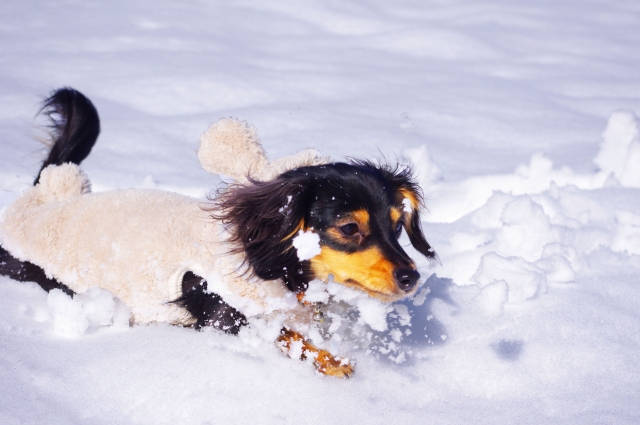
(75, 126)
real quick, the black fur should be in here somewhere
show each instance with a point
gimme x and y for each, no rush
(262, 217)
(207, 308)
(74, 127)
(24, 271)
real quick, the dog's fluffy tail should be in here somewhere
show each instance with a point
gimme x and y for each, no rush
(74, 127)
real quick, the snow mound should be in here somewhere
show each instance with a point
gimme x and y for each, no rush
(524, 280)
(618, 159)
(85, 313)
(493, 297)
(620, 150)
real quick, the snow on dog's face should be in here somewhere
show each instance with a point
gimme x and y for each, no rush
(357, 210)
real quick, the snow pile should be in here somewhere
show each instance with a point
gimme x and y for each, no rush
(618, 159)
(620, 152)
(493, 297)
(88, 312)
(627, 236)
(516, 244)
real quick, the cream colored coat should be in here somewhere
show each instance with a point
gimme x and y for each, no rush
(138, 243)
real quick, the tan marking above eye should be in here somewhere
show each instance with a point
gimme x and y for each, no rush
(367, 270)
(405, 193)
(395, 214)
(359, 217)
(362, 218)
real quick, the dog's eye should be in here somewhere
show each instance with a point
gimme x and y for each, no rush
(349, 229)
(399, 228)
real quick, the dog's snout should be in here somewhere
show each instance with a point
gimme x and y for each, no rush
(406, 279)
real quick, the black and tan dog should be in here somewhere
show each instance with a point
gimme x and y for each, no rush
(176, 259)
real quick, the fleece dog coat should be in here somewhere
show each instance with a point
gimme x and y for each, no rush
(138, 243)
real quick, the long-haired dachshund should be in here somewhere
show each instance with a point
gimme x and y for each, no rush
(176, 259)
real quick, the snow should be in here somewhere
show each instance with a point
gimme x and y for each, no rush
(521, 121)
(94, 309)
(406, 205)
(620, 151)
(374, 313)
(307, 245)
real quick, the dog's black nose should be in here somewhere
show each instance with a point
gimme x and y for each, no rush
(406, 279)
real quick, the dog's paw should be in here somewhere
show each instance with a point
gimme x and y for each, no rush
(295, 346)
(333, 366)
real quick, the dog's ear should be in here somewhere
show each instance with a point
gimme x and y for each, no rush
(416, 236)
(410, 197)
(262, 219)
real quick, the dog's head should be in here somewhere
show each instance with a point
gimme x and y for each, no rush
(358, 209)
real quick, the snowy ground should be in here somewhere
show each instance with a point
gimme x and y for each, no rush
(519, 118)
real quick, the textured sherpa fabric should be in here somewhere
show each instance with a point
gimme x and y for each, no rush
(232, 148)
(137, 243)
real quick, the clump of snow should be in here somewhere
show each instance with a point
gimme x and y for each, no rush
(557, 269)
(261, 330)
(627, 237)
(493, 297)
(307, 245)
(87, 312)
(525, 229)
(404, 317)
(295, 349)
(316, 292)
(374, 313)
(67, 316)
(525, 280)
(351, 321)
(406, 205)
(620, 150)
(420, 297)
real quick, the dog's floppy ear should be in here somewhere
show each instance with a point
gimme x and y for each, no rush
(410, 196)
(416, 236)
(262, 219)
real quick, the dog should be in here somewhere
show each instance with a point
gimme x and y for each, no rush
(175, 259)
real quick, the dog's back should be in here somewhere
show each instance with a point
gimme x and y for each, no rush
(137, 243)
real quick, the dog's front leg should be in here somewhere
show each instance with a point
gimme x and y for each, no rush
(295, 346)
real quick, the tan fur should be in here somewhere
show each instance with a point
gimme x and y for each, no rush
(324, 362)
(137, 243)
(395, 215)
(367, 270)
(362, 218)
(415, 202)
(232, 148)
